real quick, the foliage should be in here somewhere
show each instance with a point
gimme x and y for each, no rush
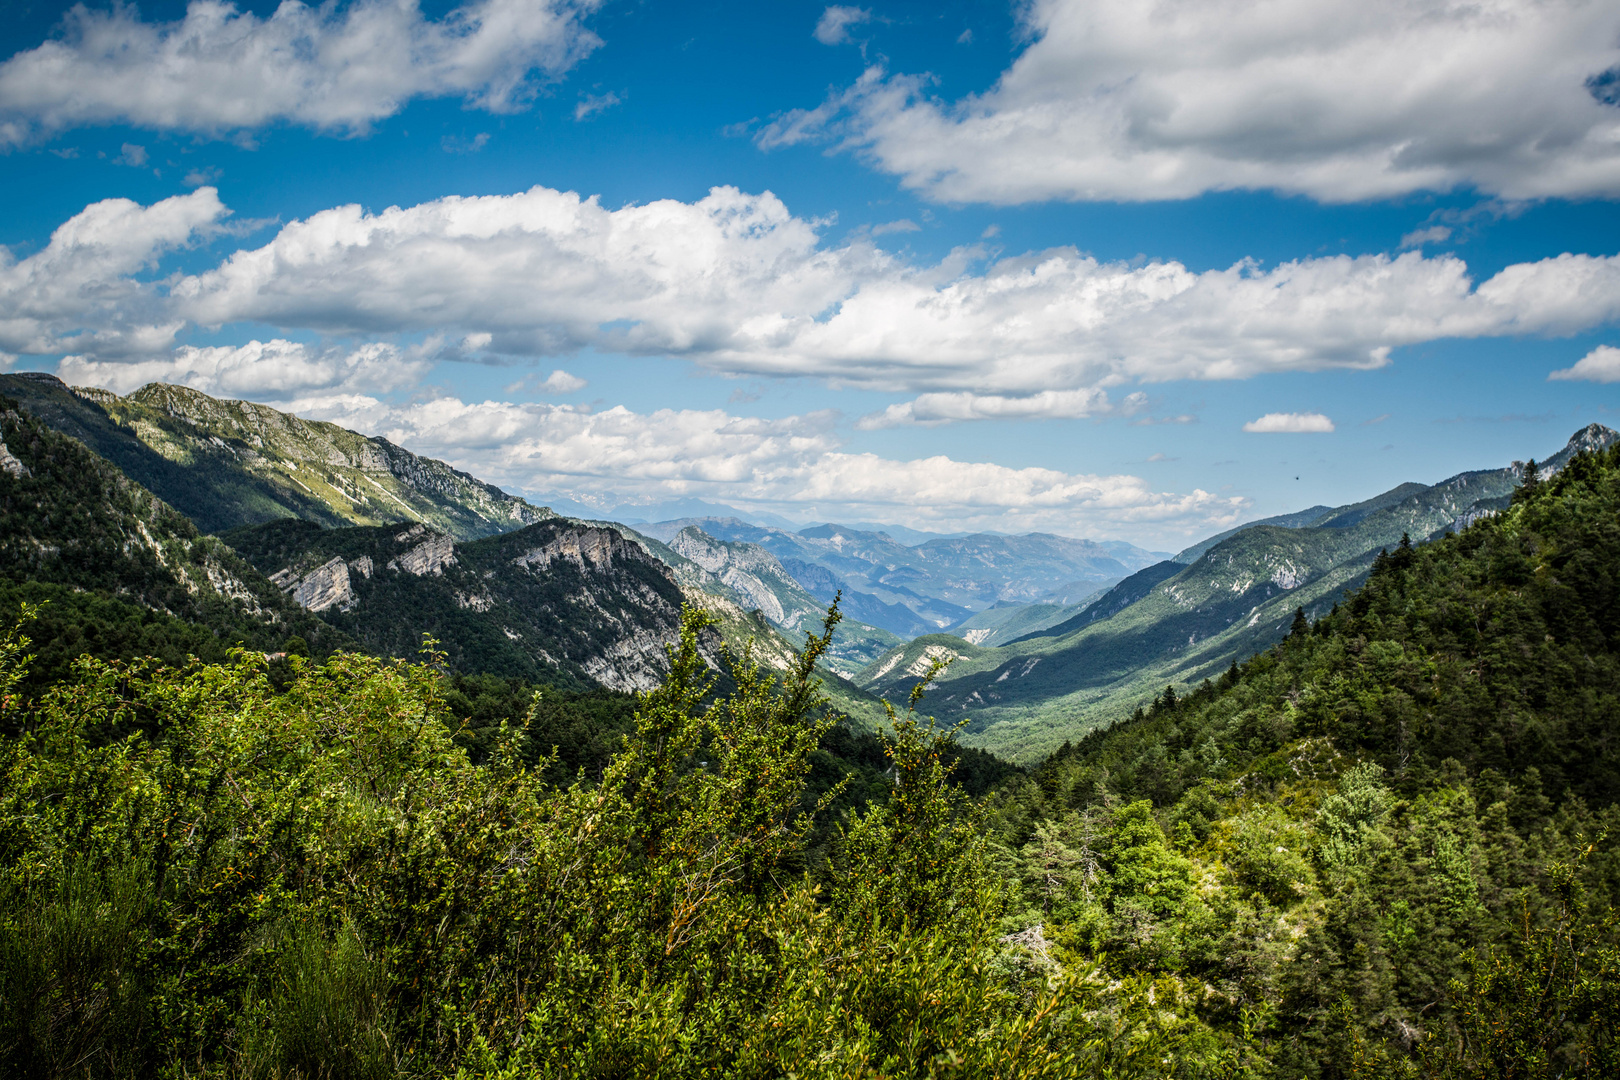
(319, 881)
(1361, 845)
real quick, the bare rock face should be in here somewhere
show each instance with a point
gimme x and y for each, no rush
(431, 556)
(586, 546)
(751, 572)
(324, 587)
(10, 464)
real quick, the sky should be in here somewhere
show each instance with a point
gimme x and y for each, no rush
(1115, 269)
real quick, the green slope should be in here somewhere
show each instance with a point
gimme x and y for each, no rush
(69, 519)
(1393, 831)
(230, 463)
(1239, 596)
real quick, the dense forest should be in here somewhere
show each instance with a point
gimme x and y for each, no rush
(1383, 847)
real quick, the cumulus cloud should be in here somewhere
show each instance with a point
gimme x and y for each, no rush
(337, 69)
(1602, 365)
(80, 292)
(278, 370)
(130, 154)
(1290, 423)
(591, 104)
(740, 285)
(933, 409)
(794, 465)
(833, 26)
(561, 382)
(1156, 99)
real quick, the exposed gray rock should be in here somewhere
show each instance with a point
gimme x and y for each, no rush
(10, 464)
(431, 556)
(587, 546)
(324, 587)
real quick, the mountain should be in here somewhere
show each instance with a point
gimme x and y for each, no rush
(760, 582)
(910, 590)
(73, 526)
(229, 463)
(1005, 621)
(555, 602)
(561, 602)
(1182, 622)
(1392, 826)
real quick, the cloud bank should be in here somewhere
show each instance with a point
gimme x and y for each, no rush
(738, 284)
(220, 70)
(1136, 100)
(794, 465)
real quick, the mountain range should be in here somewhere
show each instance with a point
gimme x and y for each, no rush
(263, 526)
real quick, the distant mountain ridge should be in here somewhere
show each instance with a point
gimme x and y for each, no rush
(250, 472)
(939, 583)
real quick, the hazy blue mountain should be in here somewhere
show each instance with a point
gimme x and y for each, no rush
(911, 589)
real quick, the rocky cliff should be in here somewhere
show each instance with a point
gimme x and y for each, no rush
(558, 601)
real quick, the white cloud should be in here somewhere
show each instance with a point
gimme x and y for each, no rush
(933, 409)
(1159, 99)
(1601, 365)
(738, 284)
(338, 69)
(130, 154)
(278, 370)
(833, 26)
(561, 382)
(903, 225)
(1290, 423)
(591, 104)
(793, 465)
(1434, 234)
(456, 144)
(80, 292)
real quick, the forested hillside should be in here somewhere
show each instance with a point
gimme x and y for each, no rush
(73, 528)
(1182, 621)
(1336, 845)
(1382, 848)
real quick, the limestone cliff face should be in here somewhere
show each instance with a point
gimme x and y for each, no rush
(430, 556)
(753, 573)
(324, 587)
(559, 600)
(585, 546)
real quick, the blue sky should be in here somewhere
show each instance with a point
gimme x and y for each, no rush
(945, 265)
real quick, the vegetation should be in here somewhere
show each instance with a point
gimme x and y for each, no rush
(1385, 845)
(1382, 848)
(1184, 621)
(71, 523)
(229, 463)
